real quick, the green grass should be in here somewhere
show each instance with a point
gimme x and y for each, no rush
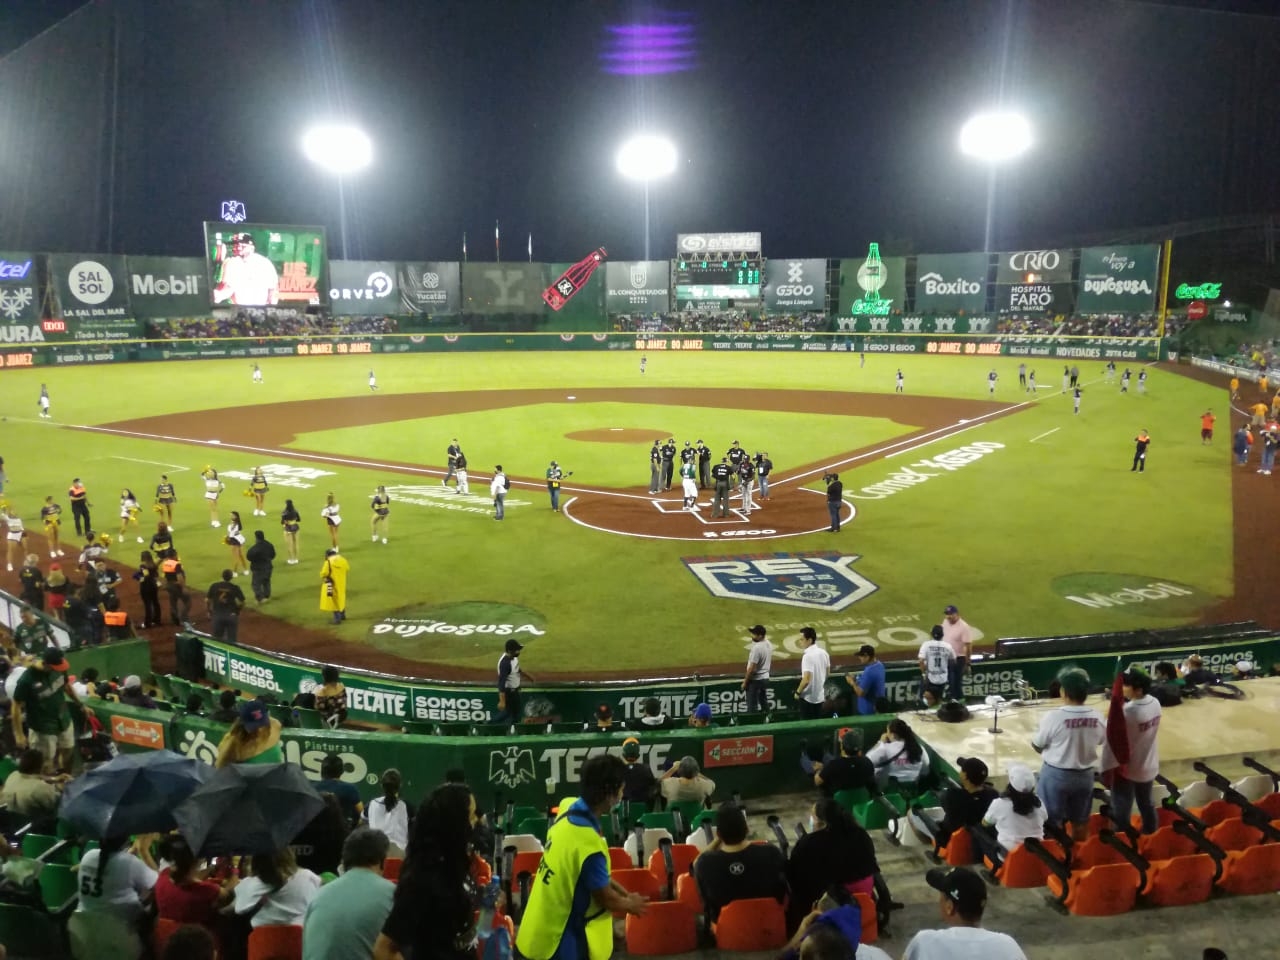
(994, 536)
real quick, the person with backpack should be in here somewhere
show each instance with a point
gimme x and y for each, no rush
(498, 488)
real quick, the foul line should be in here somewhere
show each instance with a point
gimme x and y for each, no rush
(176, 467)
(1045, 434)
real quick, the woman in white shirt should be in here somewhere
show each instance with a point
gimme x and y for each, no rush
(332, 518)
(898, 755)
(114, 884)
(279, 891)
(1017, 814)
(128, 514)
(235, 539)
(390, 814)
(213, 488)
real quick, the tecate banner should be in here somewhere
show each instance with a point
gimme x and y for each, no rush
(1119, 279)
(168, 287)
(951, 281)
(637, 286)
(430, 287)
(93, 293)
(18, 289)
(1042, 266)
(362, 288)
(795, 286)
(718, 242)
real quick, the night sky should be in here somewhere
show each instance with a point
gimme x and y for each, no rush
(824, 125)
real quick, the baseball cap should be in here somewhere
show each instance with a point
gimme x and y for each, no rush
(253, 715)
(603, 712)
(241, 238)
(965, 888)
(702, 711)
(851, 741)
(1021, 778)
(514, 646)
(132, 681)
(54, 660)
(951, 608)
(974, 769)
(631, 749)
(758, 630)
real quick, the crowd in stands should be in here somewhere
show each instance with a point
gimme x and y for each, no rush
(249, 323)
(721, 321)
(1099, 325)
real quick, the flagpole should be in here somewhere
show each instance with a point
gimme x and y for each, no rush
(497, 243)
(531, 248)
(464, 246)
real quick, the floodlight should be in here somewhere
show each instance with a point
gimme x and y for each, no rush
(995, 137)
(338, 148)
(647, 157)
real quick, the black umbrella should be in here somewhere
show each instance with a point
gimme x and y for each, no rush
(133, 793)
(248, 808)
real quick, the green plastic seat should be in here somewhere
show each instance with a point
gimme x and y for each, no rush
(688, 809)
(59, 883)
(750, 719)
(453, 729)
(852, 798)
(420, 728)
(631, 813)
(35, 844)
(29, 933)
(491, 730)
(659, 821)
(278, 711)
(706, 816)
(873, 815)
(161, 683)
(523, 729)
(564, 726)
(535, 826)
(181, 688)
(519, 814)
(314, 720)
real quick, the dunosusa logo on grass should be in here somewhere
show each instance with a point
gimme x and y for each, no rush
(426, 631)
(1152, 596)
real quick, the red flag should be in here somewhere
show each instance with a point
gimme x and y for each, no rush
(1117, 733)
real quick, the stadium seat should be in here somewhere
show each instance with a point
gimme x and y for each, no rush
(1270, 805)
(1165, 844)
(491, 730)
(1164, 818)
(1179, 881)
(703, 816)
(1101, 891)
(875, 815)
(526, 729)
(453, 730)
(619, 859)
(1215, 811)
(523, 842)
(959, 850)
(667, 928)
(682, 855)
(687, 892)
(851, 798)
(526, 862)
(652, 837)
(1254, 788)
(314, 719)
(1252, 871)
(1022, 869)
(275, 941)
(391, 868)
(638, 880)
(658, 821)
(39, 846)
(160, 934)
(1093, 852)
(59, 884)
(751, 925)
(870, 923)
(1197, 795)
(565, 726)
(161, 682)
(702, 837)
(1234, 834)
(419, 728)
(750, 719)
(688, 810)
(516, 814)
(534, 827)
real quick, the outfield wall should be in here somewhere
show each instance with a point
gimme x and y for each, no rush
(1139, 349)
(395, 701)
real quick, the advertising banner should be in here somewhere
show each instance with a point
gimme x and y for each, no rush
(718, 242)
(894, 273)
(503, 287)
(951, 281)
(795, 286)
(259, 265)
(1047, 266)
(1119, 279)
(429, 287)
(637, 286)
(1035, 297)
(168, 287)
(93, 294)
(362, 288)
(18, 290)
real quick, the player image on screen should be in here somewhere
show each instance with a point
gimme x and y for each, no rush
(245, 278)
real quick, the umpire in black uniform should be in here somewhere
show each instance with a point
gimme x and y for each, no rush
(668, 462)
(704, 465)
(655, 467)
(721, 473)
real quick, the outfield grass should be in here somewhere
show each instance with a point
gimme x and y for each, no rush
(996, 536)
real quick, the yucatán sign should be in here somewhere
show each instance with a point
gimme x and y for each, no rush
(429, 287)
(637, 286)
(951, 281)
(792, 286)
(1119, 279)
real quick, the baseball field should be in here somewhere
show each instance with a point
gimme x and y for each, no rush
(1010, 505)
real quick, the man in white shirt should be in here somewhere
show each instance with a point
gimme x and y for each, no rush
(498, 490)
(815, 664)
(936, 658)
(1133, 780)
(1068, 741)
(759, 662)
(247, 278)
(962, 902)
(959, 636)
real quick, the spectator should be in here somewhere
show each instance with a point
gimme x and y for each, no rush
(759, 665)
(701, 717)
(815, 664)
(604, 718)
(86, 684)
(1194, 672)
(195, 705)
(962, 807)
(132, 694)
(833, 915)
(869, 685)
(191, 942)
(962, 902)
(115, 884)
(1168, 686)
(733, 868)
(319, 846)
(835, 851)
(1016, 815)
(652, 717)
(277, 892)
(28, 793)
(343, 920)
(331, 697)
(959, 636)
(1133, 780)
(391, 815)
(40, 699)
(227, 711)
(935, 660)
(570, 912)
(848, 771)
(331, 771)
(436, 872)
(899, 755)
(1068, 740)
(684, 783)
(639, 785)
(182, 894)
(253, 738)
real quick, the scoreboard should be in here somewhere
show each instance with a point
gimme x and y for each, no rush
(741, 271)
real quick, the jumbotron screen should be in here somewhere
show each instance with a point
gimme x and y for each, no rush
(260, 265)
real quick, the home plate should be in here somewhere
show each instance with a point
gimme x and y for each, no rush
(616, 429)
(962, 421)
(214, 441)
(571, 398)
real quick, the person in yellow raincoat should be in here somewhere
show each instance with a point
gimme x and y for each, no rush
(333, 584)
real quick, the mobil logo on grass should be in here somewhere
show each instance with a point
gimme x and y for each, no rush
(816, 580)
(1149, 596)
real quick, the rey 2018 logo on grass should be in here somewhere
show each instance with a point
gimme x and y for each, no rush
(817, 580)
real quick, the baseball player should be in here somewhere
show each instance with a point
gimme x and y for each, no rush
(1142, 381)
(690, 484)
(1075, 396)
(991, 383)
(452, 453)
(898, 387)
(257, 373)
(460, 473)
(44, 402)
(764, 467)
(747, 483)
(1124, 380)
(373, 382)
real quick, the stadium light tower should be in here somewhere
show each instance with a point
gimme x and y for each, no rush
(996, 137)
(645, 158)
(342, 150)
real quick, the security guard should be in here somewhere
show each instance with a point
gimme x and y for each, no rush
(668, 462)
(165, 499)
(175, 585)
(554, 476)
(79, 498)
(655, 467)
(704, 465)
(721, 474)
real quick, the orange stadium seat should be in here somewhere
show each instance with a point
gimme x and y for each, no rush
(1180, 880)
(1234, 834)
(687, 892)
(1256, 870)
(1102, 891)
(1165, 844)
(959, 849)
(526, 862)
(276, 942)
(1215, 811)
(870, 920)
(638, 880)
(1021, 868)
(682, 855)
(754, 925)
(619, 859)
(667, 928)
(1093, 852)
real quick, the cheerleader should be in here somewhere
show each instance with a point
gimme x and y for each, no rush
(332, 517)
(165, 499)
(381, 511)
(258, 487)
(213, 488)
(235, 540)
(51, 517)
(290, 522)
(15, 535)
(128, 514)
(161, 540)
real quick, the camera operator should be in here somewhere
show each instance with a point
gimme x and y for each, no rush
(554, 475)
(835, 498)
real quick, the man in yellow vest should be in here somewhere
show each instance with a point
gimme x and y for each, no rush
(570, 911)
